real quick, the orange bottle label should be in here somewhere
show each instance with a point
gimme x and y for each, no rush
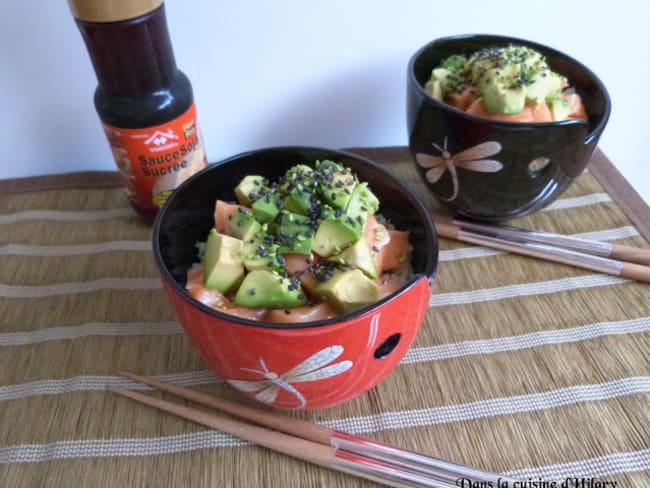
(153, 161)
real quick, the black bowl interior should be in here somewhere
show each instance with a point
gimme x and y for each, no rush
(188, 215)
(586, 83)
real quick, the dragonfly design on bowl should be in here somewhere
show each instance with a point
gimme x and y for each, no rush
(315, 367)
(472, 159)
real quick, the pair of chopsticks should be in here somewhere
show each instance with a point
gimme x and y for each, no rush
(614, 259)
(314, 443)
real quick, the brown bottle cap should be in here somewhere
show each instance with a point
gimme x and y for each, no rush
(110, 10)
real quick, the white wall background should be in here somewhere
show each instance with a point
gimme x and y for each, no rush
(328, 73)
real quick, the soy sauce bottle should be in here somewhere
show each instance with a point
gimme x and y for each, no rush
(145, 103)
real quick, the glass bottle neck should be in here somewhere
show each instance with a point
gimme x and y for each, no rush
(133, 56)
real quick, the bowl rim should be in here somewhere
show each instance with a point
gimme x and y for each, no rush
(504, 123)
(432, 256)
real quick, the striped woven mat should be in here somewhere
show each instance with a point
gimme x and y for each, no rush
(524, 367)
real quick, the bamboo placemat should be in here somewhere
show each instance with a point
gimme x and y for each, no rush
(524, 367)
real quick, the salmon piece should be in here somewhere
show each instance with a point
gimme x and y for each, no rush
(244, 312)
(462, 99)
(300, 266)
(376, 236)
(541, 112)
(395, 254)
(211, 298)
(295, 263)
(308, 313)
(374, 233)
(223, 211)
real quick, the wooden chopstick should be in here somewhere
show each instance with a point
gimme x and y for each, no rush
(620, 252)
(286, 444)
(322, 455)
(356, 451)
(450, 229)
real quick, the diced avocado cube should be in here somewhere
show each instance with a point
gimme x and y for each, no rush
(336, 183)
(363, 201)
(296, 174)
(261, 252)
(359, 256)
(502, 91)
(247, 187)
(336, 233)
(560, 108)
(267, 206)
(223, 266)
(296, 234)
(502, 99)
(434, 89)
(544, 85)
(348, 290)
(268, 289)
(301, 198)
(454, 62)
(243, 225)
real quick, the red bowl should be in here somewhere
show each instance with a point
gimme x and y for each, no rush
(313, 364)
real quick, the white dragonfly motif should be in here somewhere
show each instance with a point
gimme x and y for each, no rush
(311, 369)
(471, 159)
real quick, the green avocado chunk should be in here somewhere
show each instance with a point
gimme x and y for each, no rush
(336, 183)
(560, 108)
(358, 255)
(267, 205)
(295, 174)
(262, 252)
(499, 99)
(248, 187)
(301, 199)
(296, 234)
(300, 187)
(544, 86)
(222, 262)
(243, 225)
(348, 290)
(268, 289)
(362, 202)
(336, 231)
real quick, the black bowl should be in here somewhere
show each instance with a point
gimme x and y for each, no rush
(538, 160)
